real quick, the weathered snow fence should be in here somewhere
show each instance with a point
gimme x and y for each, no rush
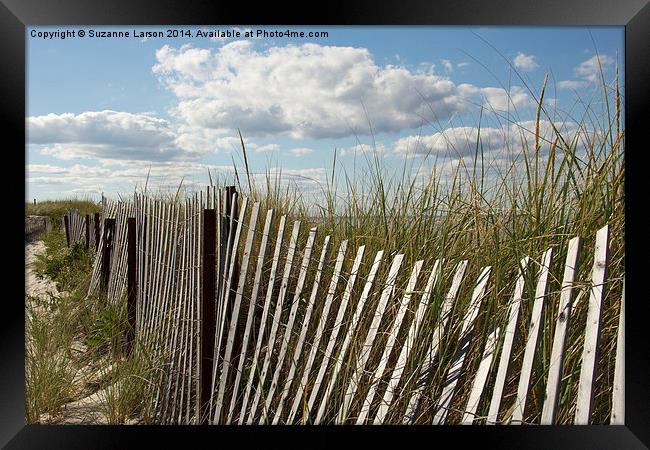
(250, 322)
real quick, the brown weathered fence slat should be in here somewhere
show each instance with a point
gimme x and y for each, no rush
(207, 308)
(531, 342)
(592, 331)
(559, 338)
(109, 230)
(87, 229)
(315, 345)
(66, 224)
(132, 287)
(97, 230)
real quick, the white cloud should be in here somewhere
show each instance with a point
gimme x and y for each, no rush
(302, 151)
(303, 91)
(105, 134)
(264, 148)
(498, 98)
(379, 147)
(447, 65)
(571, 84)
(45, 168)
(458, 142)
(525, 62)
(590, 69)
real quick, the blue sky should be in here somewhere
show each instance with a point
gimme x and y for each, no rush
(104, 112)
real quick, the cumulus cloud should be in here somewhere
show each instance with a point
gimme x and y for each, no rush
(458, 142)
(105, 134)
(590, 69)
(264, 148)
(525, 62)
(302, 151)
(498, 99)
(378, 147)
(304, 91)
(571, 84)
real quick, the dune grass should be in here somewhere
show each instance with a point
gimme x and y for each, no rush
(553, 187)
(56, 209)
(75, 342)
(491, 212)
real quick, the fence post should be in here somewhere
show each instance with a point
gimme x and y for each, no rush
(66, 223)
(97, 232)
(131, 281)
(207, 311)
(87, 231)
(109, 229)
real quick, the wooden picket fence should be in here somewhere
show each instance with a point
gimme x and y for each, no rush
(83, 229)
(257, 321)
(35, 226)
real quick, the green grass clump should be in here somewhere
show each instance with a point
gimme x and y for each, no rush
(49, 372)
(56, 209)
(75, 342)
(67, 267)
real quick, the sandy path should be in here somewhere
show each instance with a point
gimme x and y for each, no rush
(33, 285)
(88, 410)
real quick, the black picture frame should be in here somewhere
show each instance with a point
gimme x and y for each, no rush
(16, 15)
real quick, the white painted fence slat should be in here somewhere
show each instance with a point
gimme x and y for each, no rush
(531, 341)
(338, 325)
(508, 338)
(445, 312)
(303, 331)
(443, 403)
(353, 324)
(276, 319)
(480, 378)
(618, 392)
(290, 321)
(364, 352)
(319, 332)
(230, 340)
(559, 338)
(225, 295)
(251, 312)
(392, 338)
(592, 331)
(408, 346)
(265, 313)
